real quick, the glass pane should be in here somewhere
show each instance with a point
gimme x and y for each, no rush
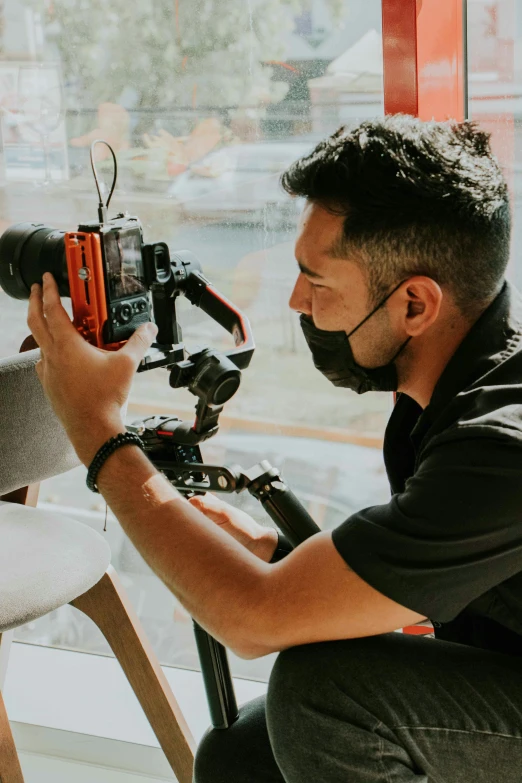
(205, 104)
(494, 78)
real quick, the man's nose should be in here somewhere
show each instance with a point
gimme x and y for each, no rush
(301, 297)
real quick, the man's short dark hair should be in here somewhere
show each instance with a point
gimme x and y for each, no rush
(418, 198)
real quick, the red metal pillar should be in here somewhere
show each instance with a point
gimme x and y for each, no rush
(424, 58)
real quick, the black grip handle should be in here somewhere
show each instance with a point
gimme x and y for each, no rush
(288, 513)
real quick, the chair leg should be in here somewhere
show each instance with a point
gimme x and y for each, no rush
(10, 769)
(5, 645)
(108, 606)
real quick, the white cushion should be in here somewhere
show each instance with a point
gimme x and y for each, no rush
(46, 560)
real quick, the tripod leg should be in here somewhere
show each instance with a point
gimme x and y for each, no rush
(217, 678)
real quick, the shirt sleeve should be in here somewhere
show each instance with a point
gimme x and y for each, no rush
(453, 534)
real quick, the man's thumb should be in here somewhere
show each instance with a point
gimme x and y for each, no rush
(138, 344)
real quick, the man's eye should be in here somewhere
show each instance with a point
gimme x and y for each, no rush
(317, 286)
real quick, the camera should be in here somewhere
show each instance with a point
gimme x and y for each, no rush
(117, 282)
(102, 267)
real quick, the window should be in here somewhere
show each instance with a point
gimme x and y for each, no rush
(495, 95)
(205, 103)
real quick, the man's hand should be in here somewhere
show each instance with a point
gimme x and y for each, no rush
(261, 541)
(87, 387)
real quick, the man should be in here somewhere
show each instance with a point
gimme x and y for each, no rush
(402, 249)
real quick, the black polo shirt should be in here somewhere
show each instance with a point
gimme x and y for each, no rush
(448, 545)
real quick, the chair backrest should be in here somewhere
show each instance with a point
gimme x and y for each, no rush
(33, 443)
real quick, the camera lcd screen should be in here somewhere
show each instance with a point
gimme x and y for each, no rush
(124, 262)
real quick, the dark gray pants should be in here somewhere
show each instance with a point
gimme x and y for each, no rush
(388, 709)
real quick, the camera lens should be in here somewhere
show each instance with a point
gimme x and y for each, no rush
(27, 250)
(227, 387)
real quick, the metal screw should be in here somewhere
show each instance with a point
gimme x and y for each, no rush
(223, 482)
(84, 273)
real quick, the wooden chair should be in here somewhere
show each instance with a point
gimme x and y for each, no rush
(47, 561)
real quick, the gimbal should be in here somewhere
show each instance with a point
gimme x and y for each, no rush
(172, 445)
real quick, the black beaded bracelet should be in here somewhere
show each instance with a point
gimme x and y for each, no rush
(108, 448)
(283, 548)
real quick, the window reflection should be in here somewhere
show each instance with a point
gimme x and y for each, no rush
(205, 103)
(495, 79)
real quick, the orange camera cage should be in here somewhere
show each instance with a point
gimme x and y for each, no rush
(83, 253)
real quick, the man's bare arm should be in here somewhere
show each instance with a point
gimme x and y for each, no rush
(216, 579)
(253, 607)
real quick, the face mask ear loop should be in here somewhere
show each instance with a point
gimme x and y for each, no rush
(375, 309)
(401, 349)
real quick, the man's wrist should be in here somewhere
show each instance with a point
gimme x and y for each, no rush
(131, 466)
(89, 442)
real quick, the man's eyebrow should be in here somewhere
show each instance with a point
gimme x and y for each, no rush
(308, 272)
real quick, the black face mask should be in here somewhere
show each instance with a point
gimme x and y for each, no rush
(333, 356)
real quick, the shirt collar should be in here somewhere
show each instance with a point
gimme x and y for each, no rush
(490, 340)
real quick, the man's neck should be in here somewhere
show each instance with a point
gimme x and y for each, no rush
(422, 366)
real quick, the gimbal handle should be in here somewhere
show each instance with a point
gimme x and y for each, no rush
(280, 503)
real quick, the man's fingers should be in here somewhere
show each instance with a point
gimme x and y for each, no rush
(36, 319)
(208, 501)
(139, 343)
(47, 319)
(213, 507)
(58, 322)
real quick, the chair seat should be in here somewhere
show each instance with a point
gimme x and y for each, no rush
(46, 560)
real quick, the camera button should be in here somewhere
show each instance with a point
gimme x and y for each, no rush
(125, 313)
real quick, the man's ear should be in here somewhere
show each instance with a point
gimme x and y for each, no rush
(423, 302)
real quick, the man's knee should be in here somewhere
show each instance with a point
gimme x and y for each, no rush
(310, 682)
(289, 680)
(296, 675)
(301, 671)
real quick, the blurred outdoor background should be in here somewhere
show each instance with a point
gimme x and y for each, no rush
(206, 102)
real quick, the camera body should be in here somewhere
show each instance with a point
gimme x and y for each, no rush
(105, 268)
(108, 280)
(116, 283)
